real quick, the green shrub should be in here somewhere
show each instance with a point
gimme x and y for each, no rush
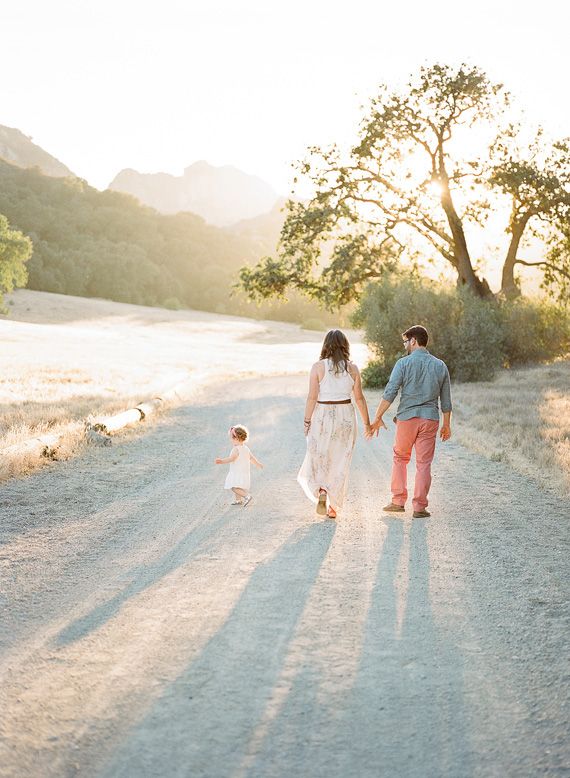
(375, 374)
(535, 331)
(474, 337)
(465, 332)
(477, 350)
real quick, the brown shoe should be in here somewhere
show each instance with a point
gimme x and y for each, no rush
(422, 514)
(393, 508)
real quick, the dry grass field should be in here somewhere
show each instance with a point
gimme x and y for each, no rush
(521, 418)
(66, 358)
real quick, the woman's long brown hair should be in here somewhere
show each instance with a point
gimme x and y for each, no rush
(337, 348)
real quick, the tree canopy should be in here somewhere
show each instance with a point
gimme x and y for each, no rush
(421, 177)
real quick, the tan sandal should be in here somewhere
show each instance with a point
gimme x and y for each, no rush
(322, 504)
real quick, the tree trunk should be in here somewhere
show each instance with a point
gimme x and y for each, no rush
(465, 273)
(508, 284)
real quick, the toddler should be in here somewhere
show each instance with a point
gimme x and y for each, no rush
(238, 478)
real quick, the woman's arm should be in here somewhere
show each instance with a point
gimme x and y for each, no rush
(359, 398)
(312, 396)
(226, 460)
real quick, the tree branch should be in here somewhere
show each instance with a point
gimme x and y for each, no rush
(544, 263)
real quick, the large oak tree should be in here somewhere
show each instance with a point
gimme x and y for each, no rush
(420, 179)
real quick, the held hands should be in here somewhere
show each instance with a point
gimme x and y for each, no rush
(375, 428)
(445, 432)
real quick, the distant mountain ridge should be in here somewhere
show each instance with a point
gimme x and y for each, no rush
(264, 229)
(18, 149)
(220, 195)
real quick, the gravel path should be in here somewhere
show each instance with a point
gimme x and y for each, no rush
(150, 629)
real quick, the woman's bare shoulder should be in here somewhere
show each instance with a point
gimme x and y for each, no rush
(352, 368)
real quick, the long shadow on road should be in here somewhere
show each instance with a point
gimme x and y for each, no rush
(404, 714)
(200, 726)
(143, 578)
(203, 529)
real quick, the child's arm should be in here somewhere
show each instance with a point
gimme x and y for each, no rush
(226, 460)
(255, 461)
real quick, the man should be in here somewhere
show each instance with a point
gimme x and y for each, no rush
(424, 380)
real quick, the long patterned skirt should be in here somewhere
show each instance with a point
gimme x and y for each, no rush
(330, 444)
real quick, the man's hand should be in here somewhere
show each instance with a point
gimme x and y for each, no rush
(445, 432)
(376, 425)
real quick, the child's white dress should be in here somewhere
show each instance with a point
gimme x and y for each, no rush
(240, 470)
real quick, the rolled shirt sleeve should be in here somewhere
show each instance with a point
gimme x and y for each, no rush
(445, 393)
(394, 383)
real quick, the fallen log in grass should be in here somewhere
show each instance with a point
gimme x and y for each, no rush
(109, 424)
(150, 407)
(98, 430)
(42, 446)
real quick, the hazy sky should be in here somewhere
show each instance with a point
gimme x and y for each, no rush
(158, 85)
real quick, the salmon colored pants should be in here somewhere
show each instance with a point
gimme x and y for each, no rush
(421, 434)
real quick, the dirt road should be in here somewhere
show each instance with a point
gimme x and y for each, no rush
(150, 629)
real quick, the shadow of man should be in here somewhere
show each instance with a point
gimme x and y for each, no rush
(404, 714)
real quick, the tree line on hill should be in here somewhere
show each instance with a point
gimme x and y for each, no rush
(77, 240)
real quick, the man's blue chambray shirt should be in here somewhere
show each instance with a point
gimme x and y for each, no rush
(424, 379)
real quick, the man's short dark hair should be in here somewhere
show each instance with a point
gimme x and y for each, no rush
(419, 333)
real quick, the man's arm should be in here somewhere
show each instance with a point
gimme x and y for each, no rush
(446, 407)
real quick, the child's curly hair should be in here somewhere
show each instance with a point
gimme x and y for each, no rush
(240, 432)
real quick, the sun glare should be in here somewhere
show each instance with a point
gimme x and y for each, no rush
(435, 188)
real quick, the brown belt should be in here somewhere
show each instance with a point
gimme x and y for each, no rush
(333, 402)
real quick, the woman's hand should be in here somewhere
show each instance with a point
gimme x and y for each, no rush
(307, 425)
(376, 425)
(218, 461)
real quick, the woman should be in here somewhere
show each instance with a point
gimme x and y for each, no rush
(330, 424)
